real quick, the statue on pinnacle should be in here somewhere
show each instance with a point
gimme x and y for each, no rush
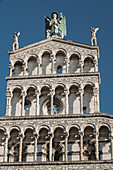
(56, 27)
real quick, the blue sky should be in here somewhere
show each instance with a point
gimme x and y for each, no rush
(27, 17)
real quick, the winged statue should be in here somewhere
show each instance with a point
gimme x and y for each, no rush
(55, 27)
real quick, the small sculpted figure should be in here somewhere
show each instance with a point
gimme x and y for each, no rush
(16, 44)
(93, 39)
(55, 26)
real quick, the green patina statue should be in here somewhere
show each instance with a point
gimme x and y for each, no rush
(55, 27)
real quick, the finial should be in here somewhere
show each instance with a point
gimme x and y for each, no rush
(16, 44)
(55, 27)
(93, 39)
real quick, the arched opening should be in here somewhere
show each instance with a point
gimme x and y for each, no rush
(89, 143)
(60, 62)
(59, 70)
(32, 66)
(88, 65)
(17, 69)
(13, 146)
(43, 145)
(104, 143)
(28, 146)
(2, 144)
(74, 63)
(16, 102)
(88, 99)
(46, 64)
(73, 145)
(74, 100)
(30, 102)
(58, 145)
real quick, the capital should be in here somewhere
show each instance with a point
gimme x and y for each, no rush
(52, 92)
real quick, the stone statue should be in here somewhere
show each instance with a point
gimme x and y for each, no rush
(93, 39)
(16, 44)
(55, 26)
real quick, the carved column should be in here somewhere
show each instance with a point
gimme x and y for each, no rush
(52, 98)
(66, 100)
(50, 146)
(20, 147)
(23, 102)
(81, 145)
(81, 100)
(6, 148)
(10, 69)
(52, 64)
(8, 106)
(95, 65)
(35, 146)
(67, 62)
(37, 102)
(81, 65)
(97, 145)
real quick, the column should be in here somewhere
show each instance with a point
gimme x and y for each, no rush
(10, 69)
(52, 97)
(111, 144)
(35, 146)
(95, 65)
(66, 143)
(38, 70)
(6, 148)
(50, 147)
(20, 147)
(81, 65)
(24, 68)
(37, 102)
(52, 64)
(81, 100)
(66, 61)
(8, 106)
(97, 146)
(23, 102)
(81, 145)
(66, 91)
(95, 92)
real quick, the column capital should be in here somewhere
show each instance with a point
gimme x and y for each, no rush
(23, 93)
(95, 91)
(52, 56)
(66, 60)
(80, 133)
(81, 62)
(52, 92)
(10, 66)
(21, 135)
(66, 91)
(8, 93)
(81, 90)
(35, 134)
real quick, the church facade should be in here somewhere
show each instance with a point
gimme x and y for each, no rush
(52, 116)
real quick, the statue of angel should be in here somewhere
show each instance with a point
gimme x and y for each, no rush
(55, 26)
(93, 39)
(16, 44)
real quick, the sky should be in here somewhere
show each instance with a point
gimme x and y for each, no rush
(27, 17)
